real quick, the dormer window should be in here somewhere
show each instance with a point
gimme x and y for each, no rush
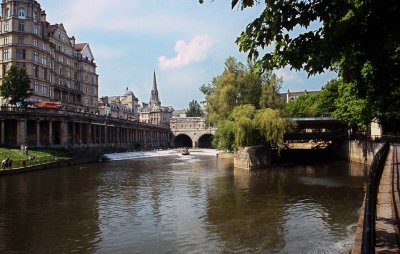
(21, 13)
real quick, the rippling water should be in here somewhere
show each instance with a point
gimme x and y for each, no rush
(179, 204)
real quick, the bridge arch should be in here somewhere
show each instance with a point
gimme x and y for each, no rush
(205, 141)
(182, 140)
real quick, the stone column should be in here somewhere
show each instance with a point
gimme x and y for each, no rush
(65, 140)
(106, 135)
(38, 133)
(89, 133)
(80, 134)
(3, 137)
(22, 132)
(95, 134)
(50, 132)
(73, 134)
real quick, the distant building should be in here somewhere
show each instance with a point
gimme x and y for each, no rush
(59, 68)
(153, 112)
(125, 106)
(289, 96)
(179, 113)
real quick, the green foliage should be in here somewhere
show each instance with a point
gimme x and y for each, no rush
(224, 138)
(306, 105)
(243, 125)
(233, 101)
(360, 39)
(351, 109)
(16, 85)
(194, 109)
(272, 126)
(270, 97)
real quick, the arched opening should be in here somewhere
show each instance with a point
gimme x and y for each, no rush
(205, 141)
(183, 141)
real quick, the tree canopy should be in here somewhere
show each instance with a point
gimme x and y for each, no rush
(16, 85)
(359, 39)
(194, 109)
(236, 103)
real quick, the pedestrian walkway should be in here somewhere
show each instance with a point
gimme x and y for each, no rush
(387, 221)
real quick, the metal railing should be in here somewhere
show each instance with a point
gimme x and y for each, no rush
(373, 180)
(396, 186)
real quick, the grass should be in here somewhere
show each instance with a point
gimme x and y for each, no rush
(42, 155)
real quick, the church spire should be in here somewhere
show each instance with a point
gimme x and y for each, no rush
(154, 99)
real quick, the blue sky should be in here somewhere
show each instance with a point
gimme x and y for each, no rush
(186, 43)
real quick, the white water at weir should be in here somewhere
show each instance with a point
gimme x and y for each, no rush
(158, 153)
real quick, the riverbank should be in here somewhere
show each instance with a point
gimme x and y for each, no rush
(44, 159)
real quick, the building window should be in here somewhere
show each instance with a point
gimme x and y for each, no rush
(21, 54)
(35, 30)
(6, 54)
(35, 16)
(51, 77)
(21, 40)
(36, 56)
(44, 89)
(21, 13)
(6, 27)
(50, 92)
(44, 46)
(21, 27)
(6, 40)
(8, 12)
(35, 43)
(44, 60)
(35, 87)
(35, 71)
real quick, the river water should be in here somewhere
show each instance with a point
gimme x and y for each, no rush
(181, 204)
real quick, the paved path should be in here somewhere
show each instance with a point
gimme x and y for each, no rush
(387, 222)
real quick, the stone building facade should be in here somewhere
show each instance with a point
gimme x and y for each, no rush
(153, 112)
(59, 68)
(125, 106)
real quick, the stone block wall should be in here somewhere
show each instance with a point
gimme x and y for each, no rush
(254, 157)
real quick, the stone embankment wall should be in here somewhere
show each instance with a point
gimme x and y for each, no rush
(252, 157)
(359, 151)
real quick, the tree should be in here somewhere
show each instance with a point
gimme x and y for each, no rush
(233, 101)
(358, 38)
(306, 105)
(272, 126)
(16, 85)
(194, 109)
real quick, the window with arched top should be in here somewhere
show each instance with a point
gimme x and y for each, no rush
(21, 13)
(8, 12)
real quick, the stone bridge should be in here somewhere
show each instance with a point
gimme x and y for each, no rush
(191, 132)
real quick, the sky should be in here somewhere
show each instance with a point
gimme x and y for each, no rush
(184, 42)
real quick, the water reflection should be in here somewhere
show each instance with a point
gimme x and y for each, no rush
(180, 205)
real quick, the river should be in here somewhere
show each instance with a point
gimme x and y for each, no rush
(181, 204)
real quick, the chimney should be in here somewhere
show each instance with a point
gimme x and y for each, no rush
(43, 16)
(72, 40)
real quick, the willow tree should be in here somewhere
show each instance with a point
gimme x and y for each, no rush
(233, 100)
(243, 125)
(272, 126)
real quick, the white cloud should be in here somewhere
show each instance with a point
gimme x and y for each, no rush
(287, 75)
(195, 51)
